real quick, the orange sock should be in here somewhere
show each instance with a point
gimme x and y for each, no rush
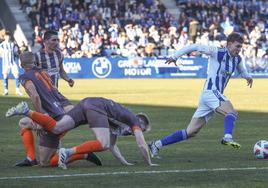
(45, 121)
(28, 142)
(88, 146)
(54, 159)
(76, 157)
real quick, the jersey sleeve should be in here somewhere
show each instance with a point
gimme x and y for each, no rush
(23, 79)
(208, 50)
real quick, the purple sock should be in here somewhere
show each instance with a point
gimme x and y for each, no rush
(177, 136)
(229, 122)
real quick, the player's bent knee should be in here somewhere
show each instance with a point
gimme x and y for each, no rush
(233, 112)
(105, 144)
(25, 123)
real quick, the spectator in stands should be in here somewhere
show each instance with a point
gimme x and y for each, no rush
(111, 18)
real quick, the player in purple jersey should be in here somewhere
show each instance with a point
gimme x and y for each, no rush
(50, 58)
(106, 118)
(9, 51)
(46, 99)
(222, 64)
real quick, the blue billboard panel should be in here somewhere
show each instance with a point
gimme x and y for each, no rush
(102, 67)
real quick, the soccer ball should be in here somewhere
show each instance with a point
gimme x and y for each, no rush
(261, 149)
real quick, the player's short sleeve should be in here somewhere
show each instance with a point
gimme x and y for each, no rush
(23, 79)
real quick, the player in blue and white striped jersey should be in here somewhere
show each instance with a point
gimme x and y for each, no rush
(222, 64)
(8, 51)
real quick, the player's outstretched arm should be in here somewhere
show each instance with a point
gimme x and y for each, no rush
(116, 152)
(143, 146)
(209, 50)
(65, 77)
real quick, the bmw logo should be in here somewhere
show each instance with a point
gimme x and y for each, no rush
(101, 67)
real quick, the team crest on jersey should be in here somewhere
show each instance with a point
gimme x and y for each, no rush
(101, 67)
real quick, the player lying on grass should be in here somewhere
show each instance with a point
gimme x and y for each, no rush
(222, 64)
(106, 118)
(46, 99)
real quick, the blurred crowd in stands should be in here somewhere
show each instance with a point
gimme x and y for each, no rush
(144, 28)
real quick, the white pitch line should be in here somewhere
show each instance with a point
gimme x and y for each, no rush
(134, 172)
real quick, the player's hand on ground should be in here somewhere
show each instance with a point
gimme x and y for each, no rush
(152, 164)
(171, 60)
(129, 164)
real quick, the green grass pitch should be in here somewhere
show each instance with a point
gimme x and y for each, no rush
(199, 162)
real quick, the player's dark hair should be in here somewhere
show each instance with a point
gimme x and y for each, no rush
(49, 33)
(7, 32)
(235, 37)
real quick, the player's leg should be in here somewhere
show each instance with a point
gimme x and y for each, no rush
(47, 122)
(5, 72)
(45, 156)
(26, 132)
(91, 157)
(101, 143)
(230, 116)
(100, 127)
(198, 120)
(48, 147)
(15, 72)
(180, 135)
(222, 105)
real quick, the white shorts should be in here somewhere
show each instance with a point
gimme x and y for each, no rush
(13, 67)
(208, 102)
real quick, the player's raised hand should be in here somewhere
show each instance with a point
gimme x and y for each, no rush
(171, 60)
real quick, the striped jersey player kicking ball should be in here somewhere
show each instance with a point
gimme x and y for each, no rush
(222, 64)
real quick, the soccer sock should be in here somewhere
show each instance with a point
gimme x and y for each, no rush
(229, 122)
(17, 83)
(54, 159)
(89, 146)
(76, 157)
(5, 83)
(177, 136)
(28, 142)
(45, 121)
